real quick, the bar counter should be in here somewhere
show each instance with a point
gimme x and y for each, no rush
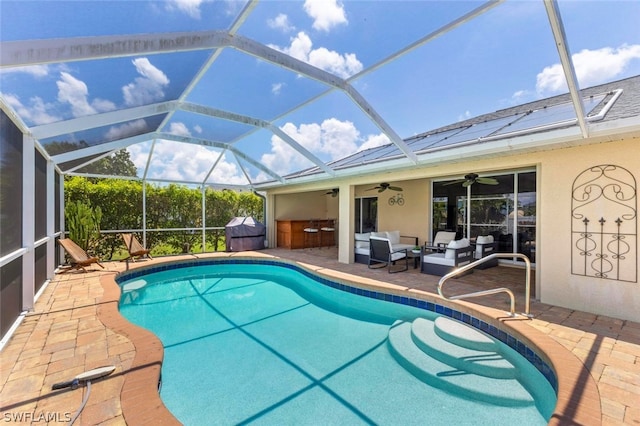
(291, 235)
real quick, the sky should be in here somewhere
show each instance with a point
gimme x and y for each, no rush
(504, 57)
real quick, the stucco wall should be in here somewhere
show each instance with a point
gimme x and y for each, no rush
(557, 169)
(559, 286)
(306, 205)
(411, 218)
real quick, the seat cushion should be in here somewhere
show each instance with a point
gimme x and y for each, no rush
(394, 237)
(398, 255)
(396, 247)
(484, 239)
(456, 244)
(362, 250)
(438, 259)
(363, 244)
(481, 250)
(362, 236)
(444, 237)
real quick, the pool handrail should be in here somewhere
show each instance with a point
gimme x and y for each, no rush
(472, 265)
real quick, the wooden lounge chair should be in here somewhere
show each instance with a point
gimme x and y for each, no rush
(78, 257)
(134, 247)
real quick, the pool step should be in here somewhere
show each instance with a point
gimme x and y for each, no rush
(462, 334)
(454, 379)
(458, 345)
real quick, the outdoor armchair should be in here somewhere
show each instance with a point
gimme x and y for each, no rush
(440, 241)
(485, 246)
(381, 252)
(458, 253)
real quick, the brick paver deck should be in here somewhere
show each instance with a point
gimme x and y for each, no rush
(75, 327)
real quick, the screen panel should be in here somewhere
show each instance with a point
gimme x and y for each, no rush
(10, 185)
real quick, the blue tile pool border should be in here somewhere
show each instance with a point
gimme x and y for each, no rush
(501, 335)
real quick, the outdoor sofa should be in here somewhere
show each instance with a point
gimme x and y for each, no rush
(398, 242)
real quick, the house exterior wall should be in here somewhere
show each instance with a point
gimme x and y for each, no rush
(559, 286)
(557, 170)
(411, 218)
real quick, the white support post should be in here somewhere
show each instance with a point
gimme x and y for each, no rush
(28, 221)
(144, 213)
(270, 221)
(204, 220)
(62, 222)
(345, 226)
(51, 219)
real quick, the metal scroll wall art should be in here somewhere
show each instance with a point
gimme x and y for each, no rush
(604, 224)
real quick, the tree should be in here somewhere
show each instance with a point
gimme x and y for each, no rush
(117, 164)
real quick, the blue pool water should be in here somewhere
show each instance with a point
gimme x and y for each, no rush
(267, 344)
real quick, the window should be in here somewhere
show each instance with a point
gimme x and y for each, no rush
(366, 214)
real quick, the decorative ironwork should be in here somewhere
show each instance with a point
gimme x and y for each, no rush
(604, 224)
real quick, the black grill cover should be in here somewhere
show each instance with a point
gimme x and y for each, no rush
(245, 233)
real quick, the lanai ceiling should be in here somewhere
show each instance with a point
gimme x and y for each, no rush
(242, 94)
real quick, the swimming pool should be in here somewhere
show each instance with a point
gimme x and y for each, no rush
(241, 348)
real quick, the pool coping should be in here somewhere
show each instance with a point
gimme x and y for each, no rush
(578, 399)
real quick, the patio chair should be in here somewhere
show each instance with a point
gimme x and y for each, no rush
(78, 257)
(381, 252)
(485, 246)
(458, 253)
(134, 247)
(440, 241)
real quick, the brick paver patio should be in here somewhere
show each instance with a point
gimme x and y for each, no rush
(75, 327)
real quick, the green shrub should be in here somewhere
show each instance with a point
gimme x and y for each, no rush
(83, 224)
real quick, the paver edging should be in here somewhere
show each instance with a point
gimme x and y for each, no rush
(575, 383)
(139, 397)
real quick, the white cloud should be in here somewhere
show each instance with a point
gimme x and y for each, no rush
(37, 112)
(521, 96)
(592, 67)
(37, 71)
(333, 138)
(301, 48)
(102, 105)
(76, 93)
(326, 14)
(197, 128)
(190, 7)
(281, 22)
(184, 162)
(147, 88)
(179, 129)
(276, 88)
(374, 141)
(127, 129)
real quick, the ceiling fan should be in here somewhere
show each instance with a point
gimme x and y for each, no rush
(471, 178)
(384, 186)
(333, 192)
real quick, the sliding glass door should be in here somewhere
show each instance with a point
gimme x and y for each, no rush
(500, 205)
